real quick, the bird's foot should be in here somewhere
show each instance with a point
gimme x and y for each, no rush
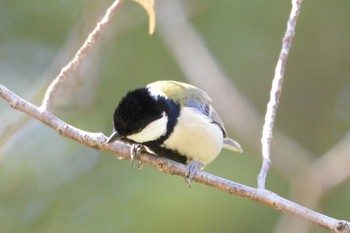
(135, 151)
(191, 170)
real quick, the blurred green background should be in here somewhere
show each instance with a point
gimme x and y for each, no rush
(51, 184)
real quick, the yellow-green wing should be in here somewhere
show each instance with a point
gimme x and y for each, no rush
(190, 96)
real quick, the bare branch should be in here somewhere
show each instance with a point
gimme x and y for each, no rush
(80, 55)
(121, 151)
(276, 92)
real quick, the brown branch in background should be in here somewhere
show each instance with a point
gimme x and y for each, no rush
(332, 168)
(275, 93)
(79, 56)
(98, 141)
(39, 88)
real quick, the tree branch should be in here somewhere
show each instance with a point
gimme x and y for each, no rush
(80, 55)
(121, 151)
(276, 92)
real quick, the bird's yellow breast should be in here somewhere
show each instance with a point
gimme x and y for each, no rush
(195, 136)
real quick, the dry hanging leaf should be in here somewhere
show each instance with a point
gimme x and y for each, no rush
(148, 5)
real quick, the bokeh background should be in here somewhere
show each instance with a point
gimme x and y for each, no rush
(51, 184)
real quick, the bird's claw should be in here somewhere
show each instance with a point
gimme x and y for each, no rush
(135, 150)
(191, 170)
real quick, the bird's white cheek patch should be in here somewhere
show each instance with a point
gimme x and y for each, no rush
(152, 131)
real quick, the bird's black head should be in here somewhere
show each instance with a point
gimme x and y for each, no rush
(136, 110)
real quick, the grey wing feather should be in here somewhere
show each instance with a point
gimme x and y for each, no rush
(201, 101)
(209, 111)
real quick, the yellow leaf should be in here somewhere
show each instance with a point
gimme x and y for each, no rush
(148, 5)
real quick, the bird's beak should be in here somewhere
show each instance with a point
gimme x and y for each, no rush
(115, 136)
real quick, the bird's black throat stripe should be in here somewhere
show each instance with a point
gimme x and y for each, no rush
(172, 110)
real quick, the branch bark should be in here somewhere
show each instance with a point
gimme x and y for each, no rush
(121, 151)
(276, 91)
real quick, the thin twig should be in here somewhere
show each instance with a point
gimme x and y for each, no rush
(40, 87)
(98, 141)
(275, 93)
(80, 55)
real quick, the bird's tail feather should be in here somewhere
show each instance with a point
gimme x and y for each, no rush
(232, 145)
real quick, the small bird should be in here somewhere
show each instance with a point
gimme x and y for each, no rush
(173, 120)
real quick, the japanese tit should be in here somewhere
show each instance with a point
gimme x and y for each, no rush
(174, 120)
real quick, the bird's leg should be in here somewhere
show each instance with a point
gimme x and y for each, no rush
(191, 169)
(135, 150)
